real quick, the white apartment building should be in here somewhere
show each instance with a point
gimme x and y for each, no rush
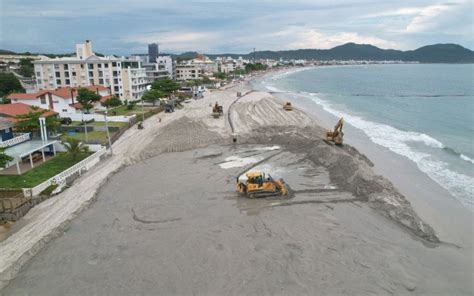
(188, 72)
(166, 63)
(125, 77)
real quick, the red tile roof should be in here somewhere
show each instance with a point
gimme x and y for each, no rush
(10, 111)
(28, 96)
(106, 98)
(63, 92)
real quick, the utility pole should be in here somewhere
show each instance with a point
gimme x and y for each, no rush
(107, 129)
(254, 58)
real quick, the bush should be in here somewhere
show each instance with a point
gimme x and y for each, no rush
(49, 190)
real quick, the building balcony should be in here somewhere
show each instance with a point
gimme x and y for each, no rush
(17, 139)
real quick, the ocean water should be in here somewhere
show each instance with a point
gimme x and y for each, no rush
(424, 112)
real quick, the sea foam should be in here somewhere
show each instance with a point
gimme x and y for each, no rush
(460, 185)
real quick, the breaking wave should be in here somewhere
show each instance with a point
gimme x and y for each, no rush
(460, 185)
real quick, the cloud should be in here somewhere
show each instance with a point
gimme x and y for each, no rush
(177, 41)
(298, 37)
(428, 18)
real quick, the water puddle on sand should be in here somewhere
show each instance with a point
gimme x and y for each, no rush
(236, 161)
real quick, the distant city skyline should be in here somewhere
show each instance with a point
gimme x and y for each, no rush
(211, 26)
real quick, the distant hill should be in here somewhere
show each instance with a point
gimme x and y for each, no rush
(436, 53)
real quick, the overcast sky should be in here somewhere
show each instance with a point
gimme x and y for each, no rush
(213, 26)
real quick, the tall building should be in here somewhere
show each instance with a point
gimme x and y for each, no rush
(152, 52)
(125, 78)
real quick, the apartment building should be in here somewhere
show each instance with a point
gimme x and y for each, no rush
(188, 72)
(125, 77)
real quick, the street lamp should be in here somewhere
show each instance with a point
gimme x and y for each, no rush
(107, 129)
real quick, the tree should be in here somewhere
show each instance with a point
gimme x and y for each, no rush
(74, 147)
(4, 158)
(255, 67)
(220, 75)
(112, 102)
(167, 86)
(26, 68)
(153, 96)
(130, 104)
(9, 84)
(30, 122)
(87, 98)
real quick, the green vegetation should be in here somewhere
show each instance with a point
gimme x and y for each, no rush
(112, 102)
(49, 190)
(100, 123)
(220, 75)
(26, 68)
(75, 147)
(255, 67)
(41, 172)
(30, 122)
(153, 96)
(9, 84)
(166, 86)
(4, 159)
(87, 98)
(92, 137)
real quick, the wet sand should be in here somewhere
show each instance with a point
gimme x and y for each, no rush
(171, 222)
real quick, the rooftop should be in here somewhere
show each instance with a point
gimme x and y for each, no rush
(12, 110)
(63, 92)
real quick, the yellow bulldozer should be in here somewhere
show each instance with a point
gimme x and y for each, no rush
(257, 184)
(336, 135)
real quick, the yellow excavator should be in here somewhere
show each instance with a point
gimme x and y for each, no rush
(217, 111)
(336, 135)
(288, 106)
(258, 184)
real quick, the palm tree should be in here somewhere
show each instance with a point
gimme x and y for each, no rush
(74, 147)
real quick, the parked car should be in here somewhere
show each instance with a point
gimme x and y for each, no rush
(66, 120)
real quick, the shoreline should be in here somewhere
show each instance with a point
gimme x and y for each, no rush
(432, 202)
(189, 146)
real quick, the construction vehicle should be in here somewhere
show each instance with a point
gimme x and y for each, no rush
(256, 184)
(288, 106)
(336, 135)
(217, 111)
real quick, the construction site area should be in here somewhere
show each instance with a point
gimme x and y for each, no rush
(238, 193)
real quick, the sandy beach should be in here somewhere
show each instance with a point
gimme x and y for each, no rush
(161, 216)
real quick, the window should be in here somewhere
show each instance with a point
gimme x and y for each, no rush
(66, 74)
(68, 81)
(114, 64)
(38, 74)
(66, 67)
(90, 66)
(91, 81)
(58, 74)
(58, 81)
(91, 73)
(82, 66)
(64, 110)
(101, 81)
(73, 73)
(106, 66)
(43, 100)
(101, 74)
(115, 73)
(116, 88)
(39, 81)
(118, 64)
(116, 81)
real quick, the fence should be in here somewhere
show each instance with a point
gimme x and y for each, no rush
(16, 140)
(98, 117)
(60, 178)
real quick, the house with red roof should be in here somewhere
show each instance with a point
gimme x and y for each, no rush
(61, 100)
(11, 111)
